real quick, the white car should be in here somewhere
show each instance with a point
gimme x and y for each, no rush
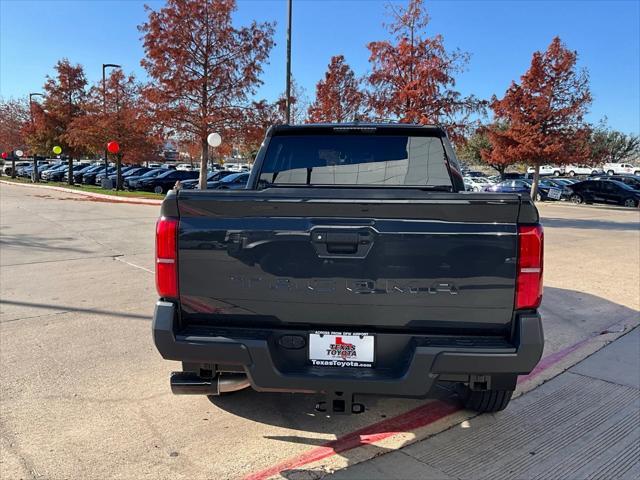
(237, 167)
(476, 184)
(547, 170)
(573, 170)
(620, 169)
(185, 167)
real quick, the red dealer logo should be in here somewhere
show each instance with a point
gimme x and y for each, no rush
(342, 349)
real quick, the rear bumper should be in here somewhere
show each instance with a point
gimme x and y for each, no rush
(423, 361)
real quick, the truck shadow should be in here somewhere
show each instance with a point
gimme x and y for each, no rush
(569, 316)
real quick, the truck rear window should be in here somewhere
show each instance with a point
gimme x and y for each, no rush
(376, 160)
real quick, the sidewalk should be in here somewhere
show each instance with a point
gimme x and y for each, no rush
(585, 423)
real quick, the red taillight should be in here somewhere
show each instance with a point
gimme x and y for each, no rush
(167, 257)
(529, 274)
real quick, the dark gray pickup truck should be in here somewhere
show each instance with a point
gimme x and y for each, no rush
(354, 263)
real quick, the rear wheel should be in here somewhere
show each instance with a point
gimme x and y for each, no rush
(610, 172)
(557, 173)
(487, 401)
(630, 202)
(577, 199)
(572, 173)
(158, 189)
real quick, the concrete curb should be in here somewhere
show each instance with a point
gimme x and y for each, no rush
(97, 196)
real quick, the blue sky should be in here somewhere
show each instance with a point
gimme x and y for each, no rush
(500, 35)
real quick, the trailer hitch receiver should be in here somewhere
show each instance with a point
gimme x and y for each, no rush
(340, 403)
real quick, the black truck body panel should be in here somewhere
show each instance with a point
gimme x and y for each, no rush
(430, 274)
(289, 257)
(409, 364)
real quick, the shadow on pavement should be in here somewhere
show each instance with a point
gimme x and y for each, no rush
(565, 309)
(68, 308)
(586, 224)
(28, 241)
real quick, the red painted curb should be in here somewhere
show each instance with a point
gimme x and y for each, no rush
(411, 420)
(96, 196)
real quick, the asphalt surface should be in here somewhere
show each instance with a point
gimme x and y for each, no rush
(85, 394)
(583, 424)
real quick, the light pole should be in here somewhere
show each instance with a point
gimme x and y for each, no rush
(104, 108)
(289, 63)
(36, 174)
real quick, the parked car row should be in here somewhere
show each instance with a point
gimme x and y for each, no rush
(574, 170)
(581, 186)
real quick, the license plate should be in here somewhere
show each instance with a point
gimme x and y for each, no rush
(341, 349)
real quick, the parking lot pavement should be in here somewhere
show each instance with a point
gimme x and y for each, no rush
(585, 423)
(86, 395)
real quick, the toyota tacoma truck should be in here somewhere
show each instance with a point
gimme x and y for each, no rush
(354, 263)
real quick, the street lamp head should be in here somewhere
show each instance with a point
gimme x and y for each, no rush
(111, 65)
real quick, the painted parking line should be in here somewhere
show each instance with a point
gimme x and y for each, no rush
(413, 419)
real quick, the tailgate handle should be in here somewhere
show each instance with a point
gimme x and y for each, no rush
(338, 244)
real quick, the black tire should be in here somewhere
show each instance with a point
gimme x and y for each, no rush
(577, 199)
(572, 173)
(158, 189)
(637, 172)
(556, 173)
(630, 202)
(610, 172)
(487, 401)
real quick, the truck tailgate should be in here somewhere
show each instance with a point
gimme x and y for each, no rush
(372, 259)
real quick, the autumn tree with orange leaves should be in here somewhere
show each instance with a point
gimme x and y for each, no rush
(413, 76)
(127, 119)
(64, 97)
(14, 119)
(544, 114)
(338, 95)
(204, 68)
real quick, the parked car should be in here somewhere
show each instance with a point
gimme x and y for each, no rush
(609, 192)
(476, 184)
(212, 177)
(567, 181)
(329, 288)
(77, 176)
(165, 181)
(132, 182)
(235, 181)
(573, 170)
(42, 166)
(52, 169)
(89, 178)
(547, 170)
(620, 169)
(632, 180)
(524, 187)
(139, 171)
(510, 186)
(187, 167)
(475, 174)
(101, 175)
(512, 176)
(9, 165)
(237, 167)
